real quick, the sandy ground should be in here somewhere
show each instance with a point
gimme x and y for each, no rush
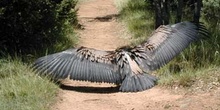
(103, 31)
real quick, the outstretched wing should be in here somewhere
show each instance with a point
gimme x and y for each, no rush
(127, 67)
(80, 64)
(165, 43)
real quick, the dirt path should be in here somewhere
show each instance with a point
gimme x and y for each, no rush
(102, 31)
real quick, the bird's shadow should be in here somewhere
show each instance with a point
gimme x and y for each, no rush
(86, 89)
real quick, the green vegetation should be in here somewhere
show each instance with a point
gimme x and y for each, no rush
(202, 78)
(30, 26)
(198, 61)
(30, 29)
(22, 89)
(138, 21)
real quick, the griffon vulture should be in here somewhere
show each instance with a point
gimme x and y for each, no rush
(128, 67)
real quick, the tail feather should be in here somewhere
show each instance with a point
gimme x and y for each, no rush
(139, 82)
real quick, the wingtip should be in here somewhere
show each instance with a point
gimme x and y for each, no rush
(202, 30)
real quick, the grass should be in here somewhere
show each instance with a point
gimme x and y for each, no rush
(22, 89)
(203, 79)
(139, 21)
(198, 61)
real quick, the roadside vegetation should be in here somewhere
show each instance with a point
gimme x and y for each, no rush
(30, 29)
(138, 20)
(200, 62)
(22, 89)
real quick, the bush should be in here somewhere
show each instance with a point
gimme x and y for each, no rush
(29, 26)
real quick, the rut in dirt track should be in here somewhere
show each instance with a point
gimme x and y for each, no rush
(103, 31)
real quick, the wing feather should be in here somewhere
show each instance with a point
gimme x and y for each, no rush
(81, 64)
(166, 43)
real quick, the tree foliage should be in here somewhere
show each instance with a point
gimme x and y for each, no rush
(165, 9)
(211, 11)
(29, 26)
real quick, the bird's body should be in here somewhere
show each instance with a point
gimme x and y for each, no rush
(128, 67)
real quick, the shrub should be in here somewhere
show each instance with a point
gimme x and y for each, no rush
(29, 26)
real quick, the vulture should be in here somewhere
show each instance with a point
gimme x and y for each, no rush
(127, 67)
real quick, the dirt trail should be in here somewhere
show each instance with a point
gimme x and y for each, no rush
(102, 31)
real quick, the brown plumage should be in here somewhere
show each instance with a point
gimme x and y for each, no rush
(127, 67)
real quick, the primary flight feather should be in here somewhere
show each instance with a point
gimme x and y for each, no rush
(126, 66)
